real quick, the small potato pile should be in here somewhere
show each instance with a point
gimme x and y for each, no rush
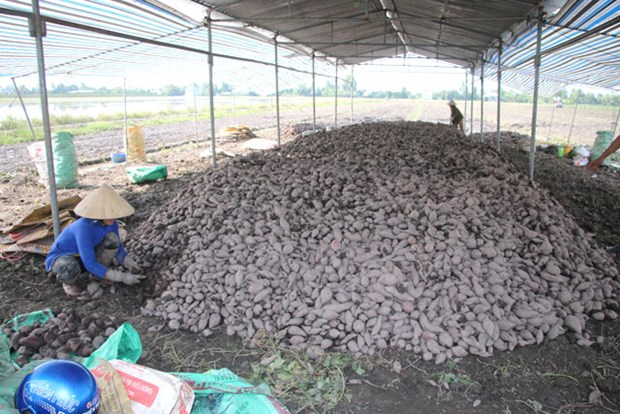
(387, 235)
(66, 334)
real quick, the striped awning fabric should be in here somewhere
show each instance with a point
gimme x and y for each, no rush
(579, 45)
(82, 38)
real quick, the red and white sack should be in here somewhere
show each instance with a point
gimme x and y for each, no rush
(152, 391)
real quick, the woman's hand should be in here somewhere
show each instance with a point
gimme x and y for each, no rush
(130, 264)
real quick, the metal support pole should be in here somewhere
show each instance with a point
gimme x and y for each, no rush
(481, 100)
(616, 123)
(465, 103)
(125, 134)
(473, 90)
(351, 112)
(336, 99)
(275, 43)
(211, 106)
(499, 95)
(21, 101)
(38, 31)
(195, 111)
(535, 105)
(550, 124)
(572, 122)
(313, 96)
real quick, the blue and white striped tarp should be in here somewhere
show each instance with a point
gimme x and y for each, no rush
(580, 45)
(87, 46)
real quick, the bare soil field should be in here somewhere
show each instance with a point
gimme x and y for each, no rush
(567, 126)
(555, 376)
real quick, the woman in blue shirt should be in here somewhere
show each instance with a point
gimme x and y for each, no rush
(92, 243)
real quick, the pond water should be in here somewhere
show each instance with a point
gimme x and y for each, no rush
(86, 106)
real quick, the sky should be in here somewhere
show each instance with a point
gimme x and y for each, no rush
(425, 78)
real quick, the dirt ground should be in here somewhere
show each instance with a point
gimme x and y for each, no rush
(554, 377)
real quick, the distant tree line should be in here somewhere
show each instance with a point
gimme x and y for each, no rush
(346, 87)
(576, 96)
(84, 90)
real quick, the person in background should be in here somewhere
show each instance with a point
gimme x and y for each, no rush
(456, 117)
(92, 243)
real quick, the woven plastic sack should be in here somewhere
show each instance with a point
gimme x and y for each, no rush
(65, 160)
(220, 391)
(123, 344)
(152, 391)
(36, 151)
(135, 144)
(601, 143)
(138, 175)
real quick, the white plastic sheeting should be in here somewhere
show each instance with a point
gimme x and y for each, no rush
(580, 45)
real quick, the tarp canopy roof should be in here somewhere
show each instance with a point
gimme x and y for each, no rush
(105, 37)
(454, 31)
(114, 38)
(580, 44)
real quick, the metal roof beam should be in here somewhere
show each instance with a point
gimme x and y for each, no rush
(355, 18)
(390, 11)
(466, 29)
(12, 12)
(430, 52)
(322, 22)
(356, 43)
(561, 26)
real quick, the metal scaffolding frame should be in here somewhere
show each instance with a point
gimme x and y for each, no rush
(37, 27)
(579, 41)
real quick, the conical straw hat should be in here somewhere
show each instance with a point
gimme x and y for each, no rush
(104, 204)
(452, 102)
